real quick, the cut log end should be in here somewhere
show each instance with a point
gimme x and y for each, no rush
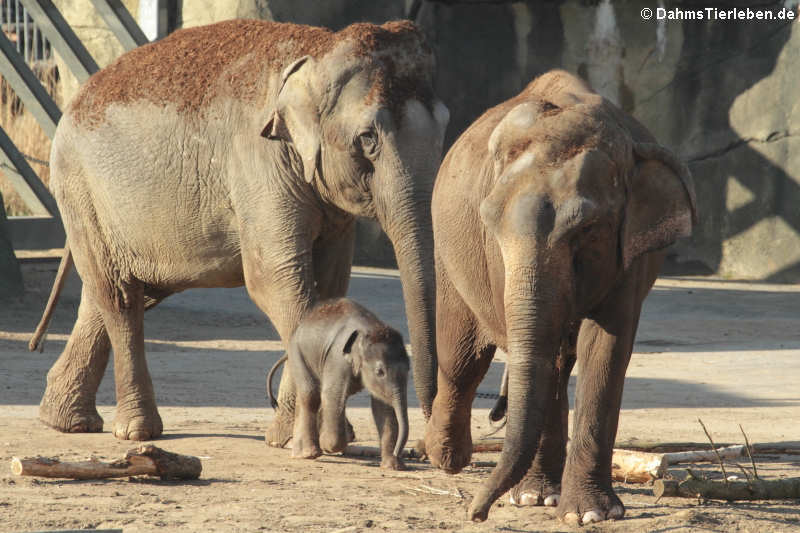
(168, 465)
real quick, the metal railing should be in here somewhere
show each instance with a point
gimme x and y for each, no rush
(21, 30)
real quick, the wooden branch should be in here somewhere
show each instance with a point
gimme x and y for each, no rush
(757, 489)
(488, 445)
(633, 466)
(774, 448)
(144, 460)
(702, 456)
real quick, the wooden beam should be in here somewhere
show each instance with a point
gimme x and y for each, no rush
(24, 179)
(61, 36)
(121, 23)
(28, 87)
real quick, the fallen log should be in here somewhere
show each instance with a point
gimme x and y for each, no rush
(774, 448)
(754, 489)
(144, 460)
(631, 466)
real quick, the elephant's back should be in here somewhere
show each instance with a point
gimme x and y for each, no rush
(193, 67)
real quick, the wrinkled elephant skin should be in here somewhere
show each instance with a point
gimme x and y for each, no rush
(338, 349)
(550, 213)
(239, 153)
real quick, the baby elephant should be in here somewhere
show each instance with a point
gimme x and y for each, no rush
(339, 348)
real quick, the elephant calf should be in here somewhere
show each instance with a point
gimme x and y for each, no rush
(339, 348)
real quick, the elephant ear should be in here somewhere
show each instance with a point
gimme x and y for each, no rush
(295, 118)
(661, 205)
(348, 351)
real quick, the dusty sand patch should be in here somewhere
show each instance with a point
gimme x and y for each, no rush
(726, 352)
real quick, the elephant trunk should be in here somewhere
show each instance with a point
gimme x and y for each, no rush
(400, 405)
(533, 343)
(405, 215)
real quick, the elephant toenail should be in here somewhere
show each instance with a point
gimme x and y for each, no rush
(616, 512)
(552, 500)
(512, 500)
(592, 516)
(529, 498)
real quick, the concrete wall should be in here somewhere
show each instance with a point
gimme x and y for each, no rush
(723, 94)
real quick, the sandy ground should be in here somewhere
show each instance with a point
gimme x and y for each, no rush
(726, 352)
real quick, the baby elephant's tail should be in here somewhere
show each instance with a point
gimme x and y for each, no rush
(272, 400)
(37, 341)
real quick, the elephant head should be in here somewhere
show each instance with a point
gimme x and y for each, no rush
(379, 357)
(580, 193)
(367, 132)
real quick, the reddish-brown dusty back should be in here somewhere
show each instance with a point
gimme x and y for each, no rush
(191, 67)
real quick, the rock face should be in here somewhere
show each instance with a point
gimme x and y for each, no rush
(721, 93)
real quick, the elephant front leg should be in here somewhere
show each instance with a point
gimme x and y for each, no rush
(68, 403)
(333, 432)
(604, 349)
(285, 281)
(542, 484)
(305, 440)
(333, 258)
(448, 435)
(388, 432)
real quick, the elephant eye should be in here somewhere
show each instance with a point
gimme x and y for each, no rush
(380, 372)
(369, 143)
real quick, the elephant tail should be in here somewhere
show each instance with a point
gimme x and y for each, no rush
(37, 341)
(272, 400)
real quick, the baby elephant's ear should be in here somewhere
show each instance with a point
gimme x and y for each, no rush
(348, 346)
(355, 360)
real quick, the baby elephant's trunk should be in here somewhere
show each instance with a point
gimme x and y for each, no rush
(400, 405)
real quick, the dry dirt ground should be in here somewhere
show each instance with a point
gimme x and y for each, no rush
(726, 352)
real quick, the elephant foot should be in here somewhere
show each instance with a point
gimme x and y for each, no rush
(392, 462)
(588, 506)
(138, 424)
(538, 487)
(333, 442)
(533, 494)
(451, 453)
(307, 453)
(305, 450)
(279, 432)
(73, 417)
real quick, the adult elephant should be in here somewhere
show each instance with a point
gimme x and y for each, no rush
(548, 213)
(239, 153)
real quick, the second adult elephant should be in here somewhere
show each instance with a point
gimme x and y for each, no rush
(239, 153)
(550, 213)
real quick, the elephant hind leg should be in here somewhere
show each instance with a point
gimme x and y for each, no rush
(137, 416)
(68, 403)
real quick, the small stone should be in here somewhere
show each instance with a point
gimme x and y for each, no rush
(368, 523)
